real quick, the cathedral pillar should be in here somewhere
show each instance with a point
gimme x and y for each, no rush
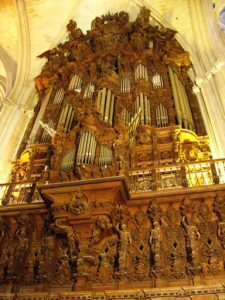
(13, 124)
(210, 71)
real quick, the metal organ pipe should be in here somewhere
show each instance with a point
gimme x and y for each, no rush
(112, 110)
(102, 103)
(45, 138)
(59, 96)
(107, 106)
(188, 109)
(181, 100)
(75, 83)
(80, 148)
(86, 149)
(125, 85)
(105, 156)
(157, 81)
(67, 163)
(88, 92)
(40, 114)
(143, 102)
(141, 99)
(140, 72)
(175, 96)
(67, 120)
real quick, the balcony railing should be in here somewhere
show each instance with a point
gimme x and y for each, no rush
(156, 178)
(19, 193)
(177, 176)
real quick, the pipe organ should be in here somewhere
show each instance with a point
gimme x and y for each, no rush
(89, 91)
(143, 103)
(105, 156)
(86, 149)
(58, 99)
(125, 85)
(141, 72)
(105, 105)
(125, 224)
(130, 100)
(157, 81)
(66, 118)
(68, 160)
(75, 83)
(162, 119)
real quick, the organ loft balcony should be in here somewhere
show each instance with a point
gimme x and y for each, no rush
(190, 169)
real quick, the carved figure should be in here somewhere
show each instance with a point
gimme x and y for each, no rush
(193, 236)
(155, 241)
(59, 227)
(124, 242)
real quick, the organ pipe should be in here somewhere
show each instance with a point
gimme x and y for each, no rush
(40, 115)
(181, 100)
(86, 149)
(140, 72)
(88, 92)
(111, 110)
(141, 99)
(105, 156)
(107, 106)
(102, 103)
(125, 85)
(175, 96)
(142, 102)
(75, 83)
(67, 163)
(59, 96)
(189, 114)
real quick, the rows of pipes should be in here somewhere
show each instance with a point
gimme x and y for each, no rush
(105, 105)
